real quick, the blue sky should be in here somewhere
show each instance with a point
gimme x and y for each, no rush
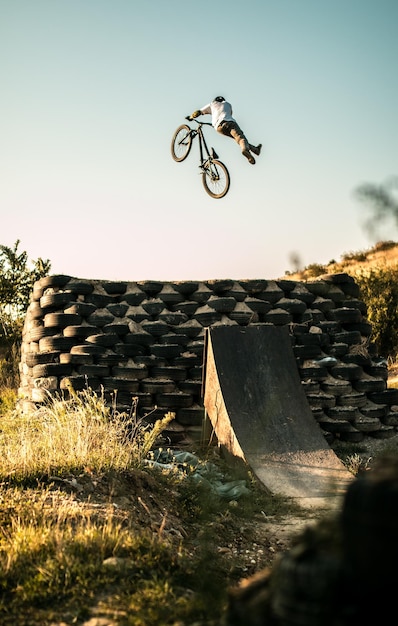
(92, 91)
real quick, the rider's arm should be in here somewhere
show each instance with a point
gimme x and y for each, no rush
(206, 110)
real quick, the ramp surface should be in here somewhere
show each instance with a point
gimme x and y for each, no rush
(255, 401)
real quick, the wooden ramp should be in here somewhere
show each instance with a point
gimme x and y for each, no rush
(258, 409)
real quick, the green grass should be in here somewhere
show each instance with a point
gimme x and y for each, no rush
(61, 562)
(88, 526)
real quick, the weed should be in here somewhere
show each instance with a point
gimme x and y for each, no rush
(356, 464)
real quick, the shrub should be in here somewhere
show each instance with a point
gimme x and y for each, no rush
(379, 290)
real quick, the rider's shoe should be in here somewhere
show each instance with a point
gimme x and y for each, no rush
(249, 156)
(256, 149)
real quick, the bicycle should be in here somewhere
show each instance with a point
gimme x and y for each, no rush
(215, 176)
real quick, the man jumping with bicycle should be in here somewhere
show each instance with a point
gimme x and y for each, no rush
(224, 123)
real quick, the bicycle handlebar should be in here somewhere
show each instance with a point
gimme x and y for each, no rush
(193, 119)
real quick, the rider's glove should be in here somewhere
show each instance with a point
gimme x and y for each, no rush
(196, 114)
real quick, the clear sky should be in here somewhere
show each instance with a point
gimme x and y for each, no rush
(92, 91)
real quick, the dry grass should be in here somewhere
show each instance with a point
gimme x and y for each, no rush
(89, 528)
(382, 255)
(64, 435)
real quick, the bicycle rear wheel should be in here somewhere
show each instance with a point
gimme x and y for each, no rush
(216, 179)
(181, 143)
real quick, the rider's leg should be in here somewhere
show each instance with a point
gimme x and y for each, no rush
(239, 136)
(233, 130)
(237, 133)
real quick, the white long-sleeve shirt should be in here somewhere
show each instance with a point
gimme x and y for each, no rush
(219, 111)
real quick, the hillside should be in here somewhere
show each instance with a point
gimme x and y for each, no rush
(382, 254)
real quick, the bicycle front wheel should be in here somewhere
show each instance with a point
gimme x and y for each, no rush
(216, 179)
(181, 143)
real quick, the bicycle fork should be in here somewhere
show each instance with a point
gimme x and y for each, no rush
(211, 154)
(207, 163)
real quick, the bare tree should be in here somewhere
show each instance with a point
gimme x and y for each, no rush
(382, 200)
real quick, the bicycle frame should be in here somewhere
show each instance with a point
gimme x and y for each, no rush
(202, 142)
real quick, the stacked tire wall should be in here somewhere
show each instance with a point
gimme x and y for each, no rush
(145, 340)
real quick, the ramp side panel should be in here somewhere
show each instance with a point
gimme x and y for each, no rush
(261, 389)
(255, 400)
(215, 406)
